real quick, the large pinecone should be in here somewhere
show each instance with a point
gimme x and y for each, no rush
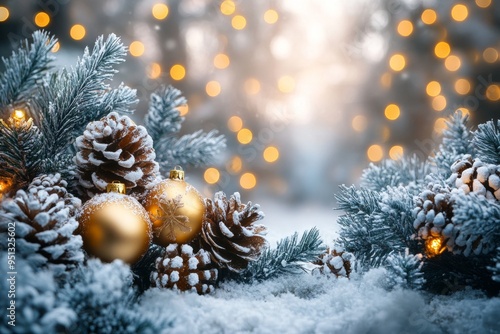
(44, 222)
(116, 149)
(54, 184)
(337, 262)
(230, 234)
(182, 269)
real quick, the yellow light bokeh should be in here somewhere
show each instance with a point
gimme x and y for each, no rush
(440, 125)
(405, 28)
(396, 152)
(154, 71)
(429, 16)
(493, 92)
(177, 72)
(271, 16)
(221, 61)
(483, 3)
(77, 32)
(392, 112)
(452, 63)
(56, 47)
(359, 123)
(271, 154)
(386, 80)
(244, 136)
(433, 88)
(239, 22)
(375, 153)
(42, 19)
(248, 181)
(227, 7)
(490, 55)
(160, 11)
(136, 48)
(462, 86)
(459, 12)
(183, 110)
(235, 123)
(4, 14)
(213, 88)
(439, 103)
(252, 86)
(465, 111)
(397, 62)
(19, 115)
(234, 165)
(211, 175)
(286, 84)
(442, 50)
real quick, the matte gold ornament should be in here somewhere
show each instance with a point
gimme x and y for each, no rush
(176, 210)
(115, 226)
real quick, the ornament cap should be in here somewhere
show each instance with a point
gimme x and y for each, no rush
(177, 173)
(116, 187)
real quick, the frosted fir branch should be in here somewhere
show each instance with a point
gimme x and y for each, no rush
(24, 69)
(495, 269)
(404, 270)
(487, 142)
(354, 201)
(163, 117)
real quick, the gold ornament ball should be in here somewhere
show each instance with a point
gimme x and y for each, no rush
(115, 226)
(176, 210)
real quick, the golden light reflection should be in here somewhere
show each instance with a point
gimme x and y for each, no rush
(154, 71)
(42, 19)
(433, 88)
(213, 88)
(271, 16)
(211, 175)
(440, 125)
(177, 72)
(375, 153)
(239, 22)
(439, 103)
(359, 123)
(459, 12)
(77, 32)
(4, 14)
(397, 62)
(392, 112)
(221, 61)
(452, 63)
(490, 55)
(160, 11)
(396, 152)
(493, 92)
(183, 110)
(244, 136)
(234, 165)
(248, 181)
(227, 7)
(429, 16)
(405, 28)
(271, 154)
(235, 123)
(136, 48)
(462, 86)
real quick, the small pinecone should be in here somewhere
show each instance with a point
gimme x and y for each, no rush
(336, 262)
(182, 269)
(116, 149)
(54, 184)
(228, 232)
(476, 176)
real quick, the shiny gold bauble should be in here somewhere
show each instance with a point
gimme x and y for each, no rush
(115, 226)
(176, 210)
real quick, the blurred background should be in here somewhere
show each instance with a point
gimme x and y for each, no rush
(306, 92)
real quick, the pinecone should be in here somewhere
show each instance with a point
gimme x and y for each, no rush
(181, 269)
(116, 149)
(54, 184)
(337, 262)
(476, 176)
(228, 232)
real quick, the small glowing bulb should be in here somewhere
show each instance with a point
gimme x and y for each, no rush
(442, 50)
(77, 32)
(136, 48)
(396, 152)
(244, 136)
(239, 22)
(405, 28)
(439, 103)
(452, 63)
(227, 7)
(493, 92)
(271, 16)
(248, 181)
(213, 88)
(235, 123)
(433, 88)
(397, 62)
(459, 12)
(392, 112)
(483, 3)
(211, 175)
(177, 72)
(4, 14)
(271, 154)
(42, 19)
(56, 47)
(434, 246)
(19, 115)
(462, 86)
(160, 11)
(375, 153)
(221, 61)
(429, 16)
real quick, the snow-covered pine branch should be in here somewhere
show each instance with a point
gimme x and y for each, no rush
(486, 140)
(404, 270)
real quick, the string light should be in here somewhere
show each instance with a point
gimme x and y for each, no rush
(211, 175)
(239, 22)
(136, 48)
(252, 86)
(18, 115)
(183, 110)
(392, 112)
(160, 11)
(405, 28)
(271, 16)
(429, 16)
(42, 19)
(213, 88)
(396, 152)
(442, 50)
(77, 32)
(234, 165)
(459, 12)
(244, 136)
(4, 14)
(154, 71)
(375, 153)
(490, 55)
(56, 47)
(462, 86)
(234, 123)
(439, 103)
(227, 7)
(221, 61)
(397, 62)
(271, 154)
(248, 181)
(434, 246)
(493, 92)
(359, 123)
(433, 88)
(483, 3)
(452, 63)
(440, 125)
(286, 84)
(177, 72)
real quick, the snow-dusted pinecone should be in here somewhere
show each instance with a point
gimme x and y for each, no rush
(44, 226)
(230, 234)
(116, 149)
(182, 269)
(475, 176)
(54, 184)
(337, 262)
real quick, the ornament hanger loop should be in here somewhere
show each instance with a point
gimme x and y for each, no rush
(116, 187)
(177, 173)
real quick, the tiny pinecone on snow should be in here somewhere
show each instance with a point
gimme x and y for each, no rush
(116, 149)
(230, 234)
(45, 222)
(182, 269)
(476, 176)
(336, 262)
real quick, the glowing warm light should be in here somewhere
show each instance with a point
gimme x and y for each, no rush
(434, 246)
(42, 19)
(271, 16)
(386, 133)
(183, 110)
(213, 88)
(429, 16)
(154, 71)
(244, 136)
(160, 11)
(375, 153)
(234, 165)
(4, 14)
(239, 22)
(459, 12)
(136, 48)
(442, 50)
(405, 28)
(433, 88)
(465, 111)
(235, 123)
(396, 152)
(221, 61)
(77, 32)
(386, 80)
(440, 125)
(248, 181)
(359, 123)
(252, 86)
(19, 115)
(211, 175)
(452, 63)
(56, 47)
(271, 154)
(227, 7)
(462, 86)
(397, 62)
(490, 55)
(483, 3)
(493, 92)
(392, 112)
(439, 103)
(286, 84)
(177, 72)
